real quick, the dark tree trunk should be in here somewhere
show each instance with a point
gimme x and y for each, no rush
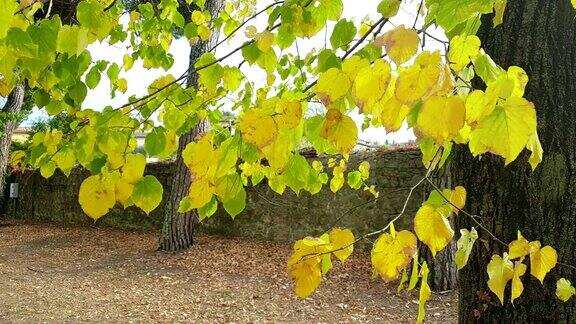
(12, 106)
(178, 228)
(443, 273)
(539, 36)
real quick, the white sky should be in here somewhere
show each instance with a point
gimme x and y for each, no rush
(139, 78)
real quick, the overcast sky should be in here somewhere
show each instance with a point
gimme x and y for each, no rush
(139, 78)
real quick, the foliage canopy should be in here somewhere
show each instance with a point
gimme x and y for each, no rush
(383, 72)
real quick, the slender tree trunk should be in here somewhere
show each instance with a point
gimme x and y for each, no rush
(12, 106)
(539, 36)
(178, 228)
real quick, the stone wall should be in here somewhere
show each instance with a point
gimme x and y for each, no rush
(267, 215)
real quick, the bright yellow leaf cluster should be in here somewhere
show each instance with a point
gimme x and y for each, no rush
(401, 43)
(501, 269)
(340, 130)
(312, 258)
(431, 223)
(213, 172)
(392, 252)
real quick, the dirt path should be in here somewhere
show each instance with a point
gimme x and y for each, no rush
(60, 274)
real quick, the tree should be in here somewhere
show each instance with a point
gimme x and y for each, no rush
(538, 36)
(377, 68)
(11, 109)
(178, 228)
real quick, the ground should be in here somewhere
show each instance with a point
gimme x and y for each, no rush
(51, 273)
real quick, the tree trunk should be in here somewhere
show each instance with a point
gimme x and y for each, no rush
(443, 273)
(12, 106)
(178, 228)
(539, 36)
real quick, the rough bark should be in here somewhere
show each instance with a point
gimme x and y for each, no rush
(539, 36)
(443, 273)
(12, 106)
(178, 228)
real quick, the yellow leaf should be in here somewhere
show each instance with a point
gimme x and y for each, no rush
(420, 79)
(204, 167)
(465, 244)
(198, 17)
(123, 191)
(506, 131)
(304, 265)
(518, 248)
(342, 240)
(332, 85)
(133, 169)
(401, 44)
(441, 118)
(414, 273)
(432, 228)
(279, 151)
(265, 40)
(289, 113)
(500, 271)
(458, 198)
(402, 282)
(463, 50)
(161, 83)
(97, 196)
(499, 8)
(479, 105)
(424, 295)
(392, 253)
(537, 152)
(371, 83)
(517, 286)
(354, 64)
(307, 276)
(258, 127)
(340, 130)
(542, 260)
(520, 78)
(564, 289)
(201, 191)
(392, 114)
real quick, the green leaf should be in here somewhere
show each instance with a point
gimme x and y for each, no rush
(21, 43)
(78, 93)
(72, 40)
(147, 193)
(9, 7)
(486, 69)
(355, 179)
(389, 8)
(296, 172)
(285, 37)
(91, 15)
(332, 8)
(93, 77)
(251, 53)
(506, 131)
(564, 289)
(343, 34)
(155, 142)
(208, 210)
(327, 59)
(231, 77)
(237, 204)
(465, 244)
